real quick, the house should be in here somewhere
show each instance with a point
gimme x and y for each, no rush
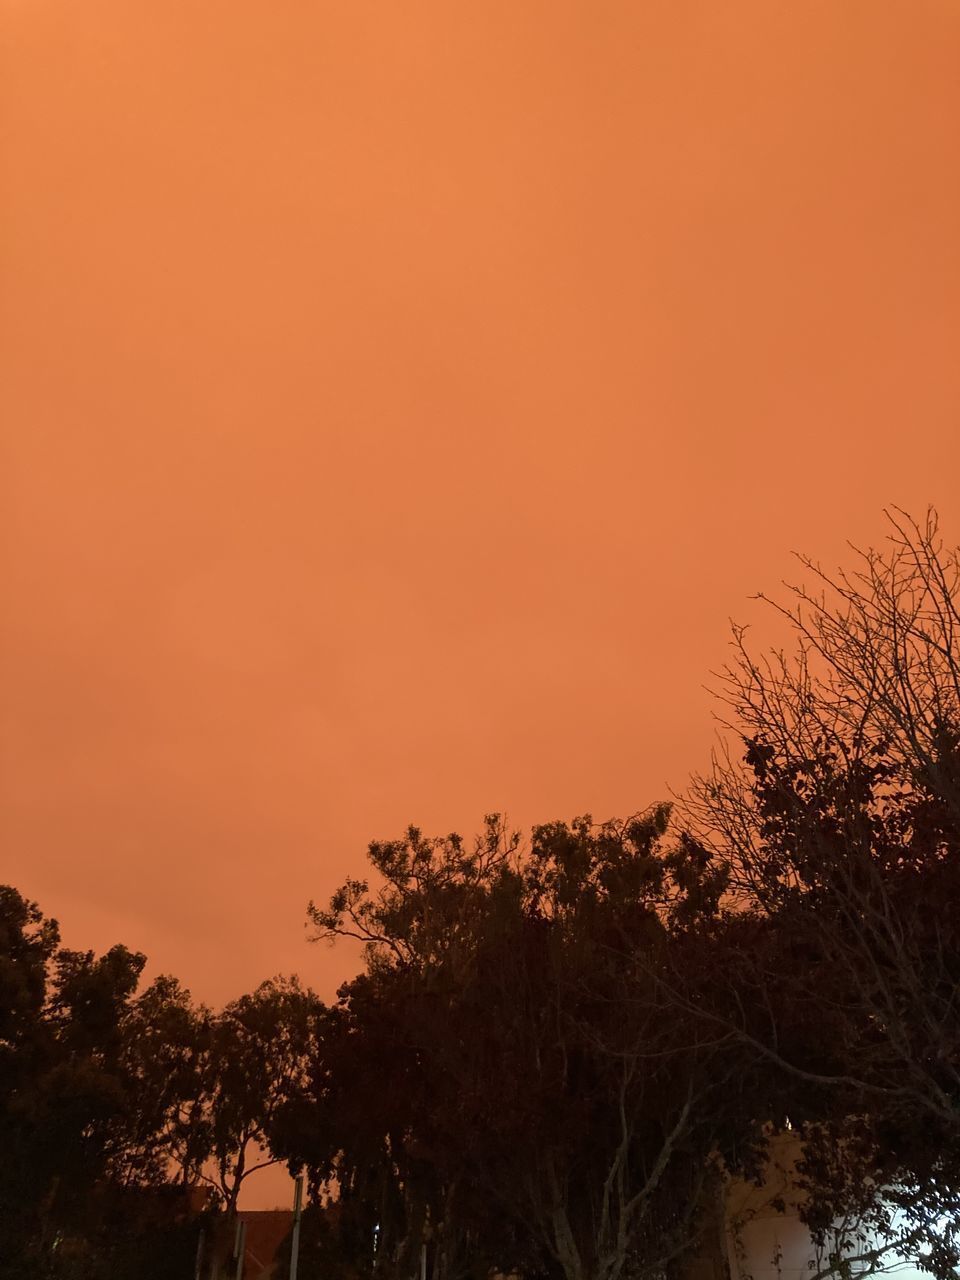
(758, 1233)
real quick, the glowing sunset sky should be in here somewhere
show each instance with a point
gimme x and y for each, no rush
(398, 399)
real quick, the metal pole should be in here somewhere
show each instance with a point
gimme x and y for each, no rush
(423, 1261)
(295, 1237)
(241, 1247)
(199, 1262)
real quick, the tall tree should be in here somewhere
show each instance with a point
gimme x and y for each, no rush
(91, 1077)
(28, 942)
(839, 833)
(536, 1110)
(260, 1047)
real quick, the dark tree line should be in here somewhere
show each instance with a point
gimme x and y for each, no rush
(558, 1051)
(115, 1101)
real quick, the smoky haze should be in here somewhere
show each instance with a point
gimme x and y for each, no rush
(399, 399)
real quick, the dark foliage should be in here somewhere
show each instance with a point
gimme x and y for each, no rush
(557, 1052)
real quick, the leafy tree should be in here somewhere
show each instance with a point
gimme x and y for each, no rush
(502, 1087)
(28, 942)
(259, 1049)
(86, 1096)
(68, 1113)
(168, 1055)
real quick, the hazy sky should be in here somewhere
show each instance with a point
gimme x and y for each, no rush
(399, 398)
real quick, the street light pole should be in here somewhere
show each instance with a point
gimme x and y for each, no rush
(241, 1247)
(295, 1238)
(198, 1264)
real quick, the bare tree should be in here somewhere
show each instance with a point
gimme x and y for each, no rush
(837, 827)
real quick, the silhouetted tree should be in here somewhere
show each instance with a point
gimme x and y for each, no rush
(260, 1047)
(28, 942)
(94, 1078)
(81, 1143)
(170, 1056)
(839, 837)
(514, 1095)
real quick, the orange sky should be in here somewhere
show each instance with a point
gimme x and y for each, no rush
(399, 398)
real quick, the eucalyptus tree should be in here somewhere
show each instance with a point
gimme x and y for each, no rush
(506, 1089)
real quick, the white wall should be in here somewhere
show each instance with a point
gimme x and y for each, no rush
(763, 1243)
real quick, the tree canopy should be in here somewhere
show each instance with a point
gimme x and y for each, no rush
(559, 1048)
